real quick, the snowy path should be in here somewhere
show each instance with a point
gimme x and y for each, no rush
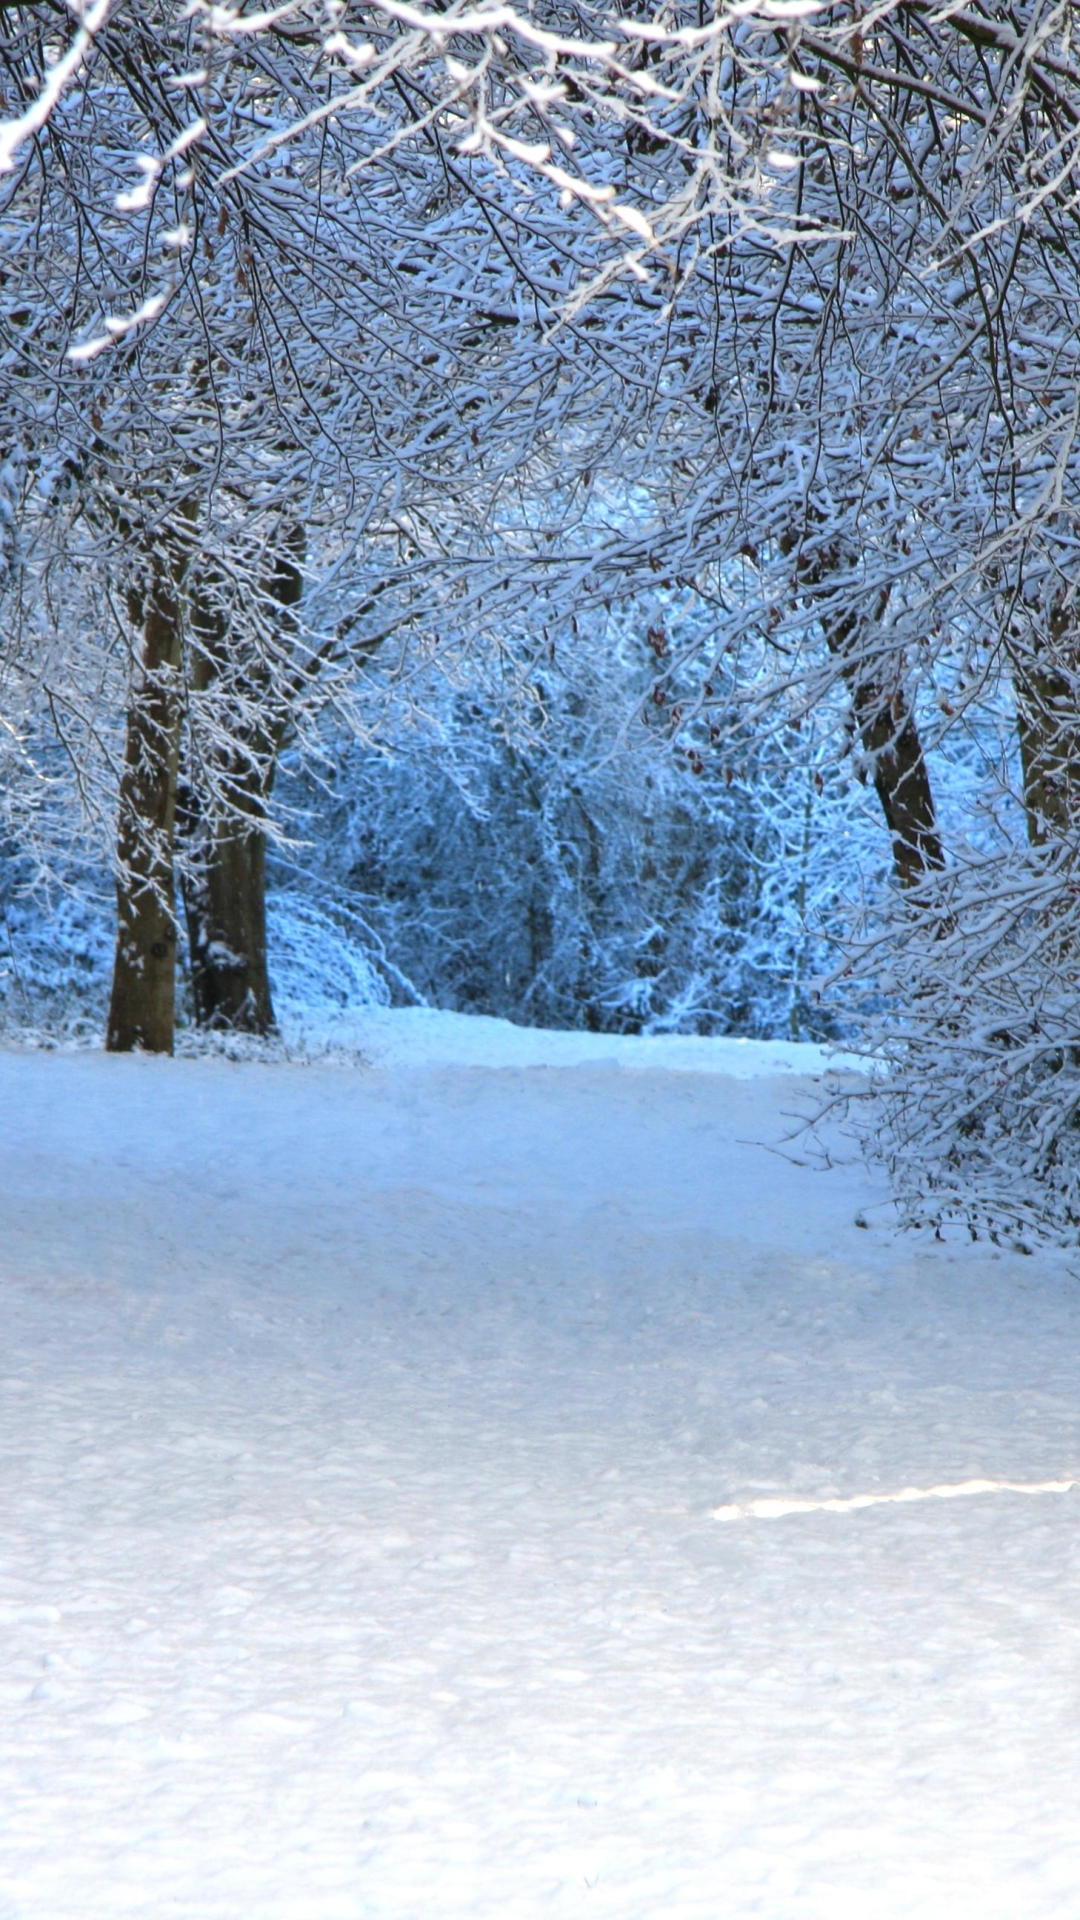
(361, 1435)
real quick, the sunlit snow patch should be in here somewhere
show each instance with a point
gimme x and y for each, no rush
(434, 1037)
(775, 1507)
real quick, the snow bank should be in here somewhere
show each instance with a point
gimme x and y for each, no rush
(425, 1036)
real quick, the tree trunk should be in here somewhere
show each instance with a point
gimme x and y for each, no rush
(890, 740)
(224, 889)
(224, 877)
(887, 730)
(1048, 723)
(142, 1004)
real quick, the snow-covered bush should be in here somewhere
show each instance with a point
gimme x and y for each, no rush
(978, 1113)
(56, 948)
(579, 868)
(325, 961)
(975, 978)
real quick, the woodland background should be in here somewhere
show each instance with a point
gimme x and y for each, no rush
(554, 512)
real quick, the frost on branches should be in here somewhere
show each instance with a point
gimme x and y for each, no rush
(347, 346)
(977, 1104)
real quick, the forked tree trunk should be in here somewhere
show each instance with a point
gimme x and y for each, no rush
(224, 881)
(142, 1004)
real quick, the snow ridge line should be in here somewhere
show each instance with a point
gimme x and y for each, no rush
(775, 1507)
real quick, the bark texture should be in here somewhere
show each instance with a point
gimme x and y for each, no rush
(1048, 723)
(224, 875)
(224, 891)
(142, 1003)
(887, 728)
(890, 740)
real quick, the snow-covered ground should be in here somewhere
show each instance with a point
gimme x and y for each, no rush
(363, 1434)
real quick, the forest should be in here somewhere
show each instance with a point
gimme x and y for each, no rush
(562, 512)
(539, 959)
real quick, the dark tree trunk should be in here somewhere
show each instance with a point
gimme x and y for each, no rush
(224, 890)
(1048, 723)
(887, 728)
(224, 876)
(890, 740)
(142, 1004)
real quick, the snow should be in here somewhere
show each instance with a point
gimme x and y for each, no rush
(363, 1432)
(427, 1036)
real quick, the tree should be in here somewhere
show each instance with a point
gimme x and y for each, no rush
(224, 873)
(330, 333)
(519, 319)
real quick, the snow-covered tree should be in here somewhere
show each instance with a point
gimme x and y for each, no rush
(337, 329)
(269, 348)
